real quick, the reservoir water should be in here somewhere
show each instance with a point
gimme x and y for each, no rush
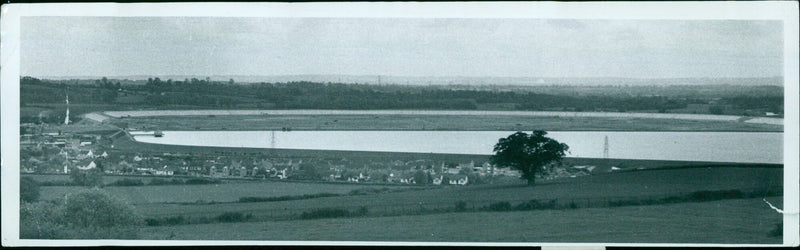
(751, 147)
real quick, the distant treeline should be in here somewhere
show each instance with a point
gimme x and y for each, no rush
(204, 93)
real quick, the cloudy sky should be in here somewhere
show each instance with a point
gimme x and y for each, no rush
(120, 46)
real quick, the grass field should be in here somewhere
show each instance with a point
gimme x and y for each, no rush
(730, 222)
(106, 179)
(584, 191)
(436, 122)
(224, 192)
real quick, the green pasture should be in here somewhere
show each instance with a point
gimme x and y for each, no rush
(223, 192)
(743, 221)
(586, 191)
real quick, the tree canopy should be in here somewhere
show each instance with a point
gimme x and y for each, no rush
(528, 153)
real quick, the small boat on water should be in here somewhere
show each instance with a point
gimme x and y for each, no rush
(158, 133)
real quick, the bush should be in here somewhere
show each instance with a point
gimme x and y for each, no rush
(127, 182)
(572, 205)
(152, 222)
(232, 217)
(536, 205)
(624, 203)
(95, 208)
(199, 181)
(500, 206)
(325, 213)
(28, 189)
(461, 206)
(167, 221)
(56, 183)
(41, 220)
(671, 199)
(369, 190)
(777, 231)
(89, 178)
(103, 233)
(89, 214)
(362, 211)
(160, 181)
(286, 197)
(716, 195)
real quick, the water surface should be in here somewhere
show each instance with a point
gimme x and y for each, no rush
(751, 147)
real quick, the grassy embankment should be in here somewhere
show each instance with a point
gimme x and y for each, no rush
(436, 122)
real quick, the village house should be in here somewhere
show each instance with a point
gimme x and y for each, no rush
(455, 170)
(88, 166)
(242, 171)
(438, 181)
(392, 178)
(225, 171)
(165, 170)
(282, 174)
(459, 180)
(407, 180)
(212, 171)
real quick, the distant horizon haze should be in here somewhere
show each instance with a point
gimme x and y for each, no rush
(450, 80)
(442, 47)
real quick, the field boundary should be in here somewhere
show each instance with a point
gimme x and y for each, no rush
(260, 215)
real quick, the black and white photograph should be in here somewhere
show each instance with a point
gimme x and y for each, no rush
(485, 124)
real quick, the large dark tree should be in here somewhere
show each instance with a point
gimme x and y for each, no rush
(528, 153)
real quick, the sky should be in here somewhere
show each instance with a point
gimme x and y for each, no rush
(205, 46)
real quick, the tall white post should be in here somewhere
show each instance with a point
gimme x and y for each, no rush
(66, 119)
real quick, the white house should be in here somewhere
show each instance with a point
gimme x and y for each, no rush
(243, 171)
(463, 181)
(163, 171)
(438, 181)
(91, 165)
(282, 175)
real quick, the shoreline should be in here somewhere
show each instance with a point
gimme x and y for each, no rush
(560, 114)
(423, 122)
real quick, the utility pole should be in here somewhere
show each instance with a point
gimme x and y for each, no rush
(605, 148)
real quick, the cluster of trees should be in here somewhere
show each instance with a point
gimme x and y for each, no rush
(36, 91)
(86, 214)
(206, 93)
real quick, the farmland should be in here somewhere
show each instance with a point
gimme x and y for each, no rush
(593, 190)
(223, 192)
(729, 221)
(436, 122)
(589, 191)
